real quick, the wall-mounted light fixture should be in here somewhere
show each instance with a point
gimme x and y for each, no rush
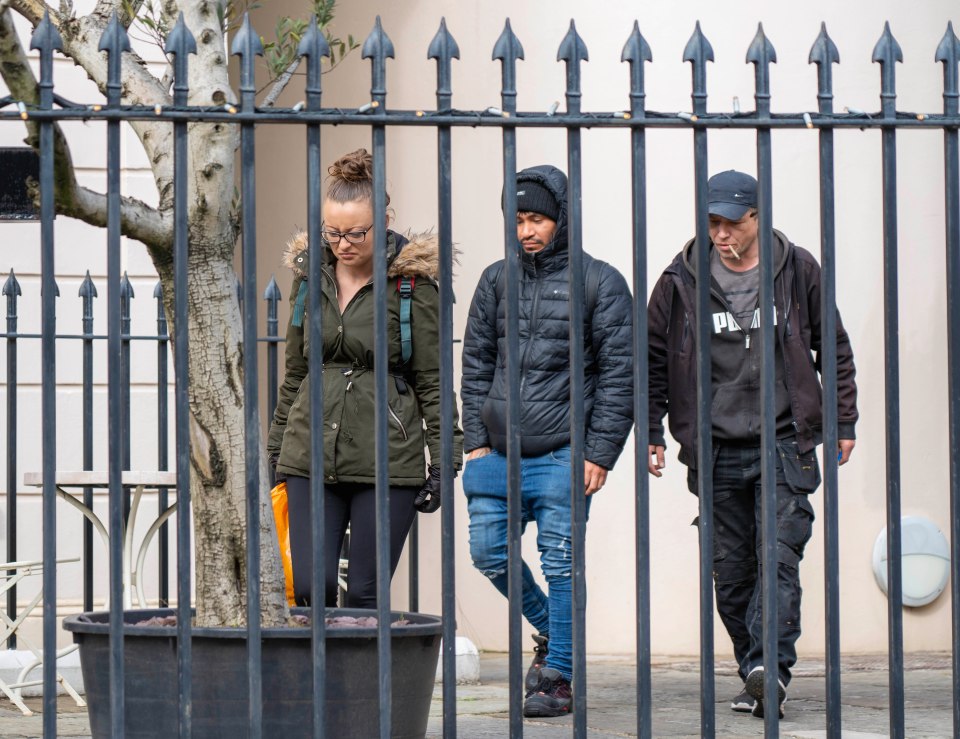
(925, 560)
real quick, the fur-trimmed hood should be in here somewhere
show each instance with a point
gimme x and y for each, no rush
(419, 254)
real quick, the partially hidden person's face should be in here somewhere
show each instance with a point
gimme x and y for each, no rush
(735, 240)
(534, 231)
(348, 229)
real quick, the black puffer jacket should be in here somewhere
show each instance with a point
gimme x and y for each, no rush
(544, 352)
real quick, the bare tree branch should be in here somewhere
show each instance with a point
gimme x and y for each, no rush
(282, 81)
(33, 11)
(138, 220)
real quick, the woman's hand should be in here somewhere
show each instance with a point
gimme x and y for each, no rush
(428, 499)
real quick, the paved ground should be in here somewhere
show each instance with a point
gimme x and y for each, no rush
(482, 708)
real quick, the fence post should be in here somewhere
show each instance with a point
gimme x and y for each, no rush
(88, 291)
(11, 289)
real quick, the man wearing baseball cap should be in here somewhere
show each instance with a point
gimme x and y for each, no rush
(544, 330)
(736, 413)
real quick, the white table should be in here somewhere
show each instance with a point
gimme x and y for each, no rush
(11, 575)
(70, 484)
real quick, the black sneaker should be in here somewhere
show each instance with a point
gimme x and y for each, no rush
(743, 703)
(553, 696)
(754, 687)
(532, 679)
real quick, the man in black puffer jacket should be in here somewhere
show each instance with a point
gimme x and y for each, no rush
(544, 416)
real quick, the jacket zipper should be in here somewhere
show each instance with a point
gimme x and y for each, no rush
(534, 319)
(396, 418)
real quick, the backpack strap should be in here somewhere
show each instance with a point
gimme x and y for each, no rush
(300, 306)
(405, 286)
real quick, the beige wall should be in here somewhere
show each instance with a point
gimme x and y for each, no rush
(855, 27)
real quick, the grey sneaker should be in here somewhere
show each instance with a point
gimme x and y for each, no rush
(532, 679)
(754, 687)
(743, 703)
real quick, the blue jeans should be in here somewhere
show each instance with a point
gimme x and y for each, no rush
(545, 495)
(737, 547)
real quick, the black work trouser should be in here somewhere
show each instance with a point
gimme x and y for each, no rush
(737, 546)
(345, 504)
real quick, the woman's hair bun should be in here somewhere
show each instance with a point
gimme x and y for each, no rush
(357, 166)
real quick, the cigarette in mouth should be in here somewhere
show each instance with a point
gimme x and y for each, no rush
(732, 248)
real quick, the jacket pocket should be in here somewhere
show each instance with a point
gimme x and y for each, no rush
(800, 470)
(398, 422)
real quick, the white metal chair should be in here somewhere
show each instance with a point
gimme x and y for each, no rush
(11, 574)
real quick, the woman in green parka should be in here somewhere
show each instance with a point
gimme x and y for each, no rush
(413, 392)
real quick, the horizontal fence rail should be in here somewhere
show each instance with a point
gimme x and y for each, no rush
(120, 341)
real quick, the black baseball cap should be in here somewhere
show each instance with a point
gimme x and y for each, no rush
(731, 194)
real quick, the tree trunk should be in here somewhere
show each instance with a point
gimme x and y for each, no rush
(218, 480)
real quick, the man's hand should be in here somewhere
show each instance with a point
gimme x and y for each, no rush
(594, 476)
(846, 449)
(478, 452)
(655, 461)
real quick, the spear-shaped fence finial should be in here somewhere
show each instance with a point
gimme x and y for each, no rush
(180, 43)
(698, 52)
(824, 54)
(378, 48)
(114, 41)
(761, 54)
(635, 52)
(948, 52)
(46, 39)
(444, 49)
(573, 51)
(887, 53)
(314, 46)
(11, 289)
(247, 45)
(508, 50)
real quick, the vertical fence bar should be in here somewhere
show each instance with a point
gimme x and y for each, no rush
(508, 50)
(126, 295)
(824, 54)
(378, 48)
(573, 51)
(114, 41)
(444, 48)
(314, 46)
(887, 53)
(180, 43)
(698, 52)
(248, 46)
(163, 451)
(413, 566)
(761, 54)
(948, 52)
(88, 291)
(11, 290)
(272, 296)
(636, 51)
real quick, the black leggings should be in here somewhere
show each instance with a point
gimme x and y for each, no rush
(353, 504)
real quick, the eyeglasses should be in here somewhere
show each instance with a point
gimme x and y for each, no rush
(352, 237)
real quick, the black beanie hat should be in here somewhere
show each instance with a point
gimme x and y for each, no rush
(533, 197)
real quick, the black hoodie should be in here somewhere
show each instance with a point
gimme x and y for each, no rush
(672, 355)
(544, 351)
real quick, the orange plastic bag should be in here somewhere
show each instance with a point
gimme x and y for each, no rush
(281, 514)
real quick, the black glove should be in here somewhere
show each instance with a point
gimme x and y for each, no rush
(428, 499)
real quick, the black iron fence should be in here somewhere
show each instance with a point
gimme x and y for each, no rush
(94, 352)
(376, 116)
